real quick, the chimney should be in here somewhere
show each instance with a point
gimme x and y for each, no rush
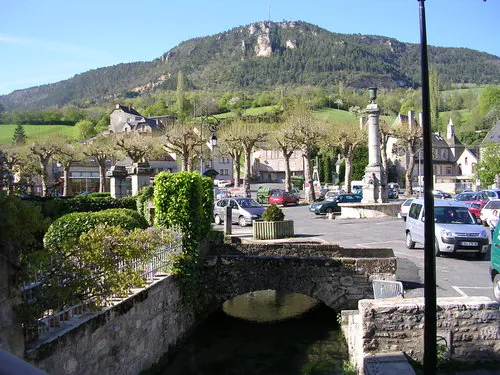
(450, 130)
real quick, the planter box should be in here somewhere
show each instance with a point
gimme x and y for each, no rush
(271, 230)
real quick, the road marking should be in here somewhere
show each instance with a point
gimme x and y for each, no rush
(463, 294)
(368, 244)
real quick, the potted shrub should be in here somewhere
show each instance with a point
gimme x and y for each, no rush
(273, 225)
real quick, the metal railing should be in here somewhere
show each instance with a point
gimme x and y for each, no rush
(155, 267)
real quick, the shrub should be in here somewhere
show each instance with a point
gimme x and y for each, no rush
(273, 213)
(65, 231)
(143, 197)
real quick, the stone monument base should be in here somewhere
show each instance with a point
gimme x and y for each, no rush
(369, 210)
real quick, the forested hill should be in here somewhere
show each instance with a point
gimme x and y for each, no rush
(262, 56)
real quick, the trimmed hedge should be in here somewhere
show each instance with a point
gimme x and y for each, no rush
(56, 207)
(68, 228)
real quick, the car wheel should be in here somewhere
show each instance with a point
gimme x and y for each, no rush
(404, 218)
(284, 204)
(410, 244)
(242, 221)
(316, 213)
(329, 210)
(496, 287)
(217, 220)
(436, 248)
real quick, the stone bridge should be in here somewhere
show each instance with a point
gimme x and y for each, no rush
(337, 276)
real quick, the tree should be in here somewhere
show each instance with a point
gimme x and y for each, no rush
(180, 105)
(487, 170)
(308, 132)
(102, 150)
(86, 129)
(247, 134)
(286, 145)
(434, 94)
(409, 135)
(66, 156)
(183, 140)
(43, 152)
(19, 137)
(232, 148)
(136, 146)
(347, 136)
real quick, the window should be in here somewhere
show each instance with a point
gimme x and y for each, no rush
(466, 162)
(415, 210)
(448, 170)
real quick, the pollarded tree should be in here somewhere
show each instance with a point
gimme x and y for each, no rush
(232, 148)
(44, 152)
(66, 156)
(139, 147)
(308, 132)
(409, 135)
(347, 136)
(279, 140)
(183, 140)
(247, 135)
(101, 149)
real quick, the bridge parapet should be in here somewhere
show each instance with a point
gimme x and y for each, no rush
(336, 276)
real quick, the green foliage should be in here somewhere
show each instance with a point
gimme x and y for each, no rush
(21, 228)
(65, 231)
(143, 197)
(488, 168)
(273, 213)
(85, 129)
(19, 137)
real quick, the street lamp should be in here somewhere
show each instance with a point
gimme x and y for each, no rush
(212, 123)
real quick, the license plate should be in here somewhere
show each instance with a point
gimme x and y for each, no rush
(467, 243)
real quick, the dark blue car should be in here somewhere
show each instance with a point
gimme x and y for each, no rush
(331, 204)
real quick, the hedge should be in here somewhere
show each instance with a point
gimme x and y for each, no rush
(68, 228)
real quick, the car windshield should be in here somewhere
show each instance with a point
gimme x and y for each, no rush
(248, 203)
(493, 205)
(453, 215)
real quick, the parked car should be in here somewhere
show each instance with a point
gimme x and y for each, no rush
(487, 211)
(472, 196)
(331, 204)
(495, 263)
(244, 210)
(405, 207)
(492, 194)
(394, 186)
(441, 194)
(264, 192)
(475, 208)
(320, 194)
(283, 198)
(392, 193)
(456, 229)
(220, 193)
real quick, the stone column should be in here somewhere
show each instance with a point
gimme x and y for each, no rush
(374, 172)
(117, 174)
(139, 174)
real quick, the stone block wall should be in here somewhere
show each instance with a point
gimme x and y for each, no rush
(468, 327)
(124, 339)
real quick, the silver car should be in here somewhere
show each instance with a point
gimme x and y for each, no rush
(244, 210)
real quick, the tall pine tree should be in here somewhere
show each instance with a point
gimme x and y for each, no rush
(19, 137)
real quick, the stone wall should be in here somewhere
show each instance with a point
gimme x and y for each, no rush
(11, 333)
(124, 339)
(468, 327)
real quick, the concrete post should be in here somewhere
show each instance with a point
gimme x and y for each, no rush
(228, 221)
(139, 175)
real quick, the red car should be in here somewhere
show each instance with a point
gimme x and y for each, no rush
(475, 207)
(283, 198)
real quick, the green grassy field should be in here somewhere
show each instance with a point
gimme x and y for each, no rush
(36, 132)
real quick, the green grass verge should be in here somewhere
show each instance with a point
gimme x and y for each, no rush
(36, 132)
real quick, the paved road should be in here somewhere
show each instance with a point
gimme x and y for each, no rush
(456, 276)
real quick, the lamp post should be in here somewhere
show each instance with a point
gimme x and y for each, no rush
(212, 123)
(430, 323)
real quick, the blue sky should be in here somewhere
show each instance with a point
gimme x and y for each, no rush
(52, 40)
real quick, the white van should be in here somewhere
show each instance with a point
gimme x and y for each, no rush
(456, 229)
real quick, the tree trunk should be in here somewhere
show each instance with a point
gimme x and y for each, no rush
(288, 180)
(410, 164)
(45, 177)
(66, 180)
(348, 171)
(102, 176)
(248, 171)
(308, 175)
(237, 169)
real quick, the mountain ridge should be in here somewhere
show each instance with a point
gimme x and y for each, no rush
(262, 56)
